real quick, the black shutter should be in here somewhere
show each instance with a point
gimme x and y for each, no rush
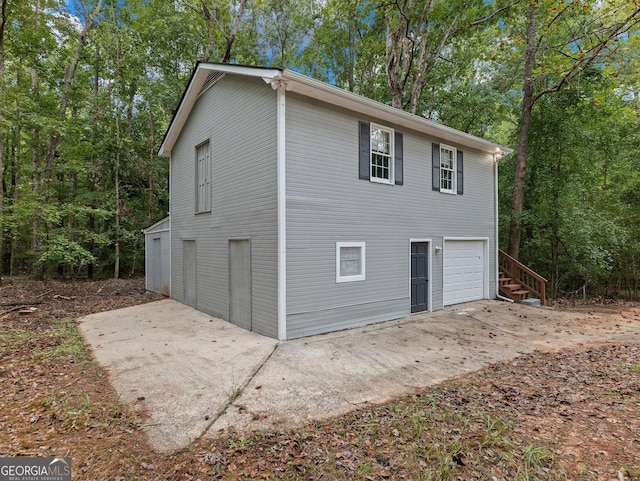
(365, 150)
(398, 154)
(460, 173)
(435, 167)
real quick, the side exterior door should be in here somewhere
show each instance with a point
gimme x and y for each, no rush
(240, 283)
(156, 273)
(419, 276)
(189, 272)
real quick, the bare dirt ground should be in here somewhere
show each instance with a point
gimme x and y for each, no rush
(572, 414)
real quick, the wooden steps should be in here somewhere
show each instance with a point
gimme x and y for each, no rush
(512, 289)
(516, 281)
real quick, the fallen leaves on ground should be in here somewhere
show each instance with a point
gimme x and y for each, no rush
(573, 414)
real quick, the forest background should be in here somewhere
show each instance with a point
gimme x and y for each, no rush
(87, 89)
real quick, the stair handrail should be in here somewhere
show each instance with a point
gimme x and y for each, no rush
(515, 269)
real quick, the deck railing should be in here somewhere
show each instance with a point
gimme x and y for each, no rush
(530, 280)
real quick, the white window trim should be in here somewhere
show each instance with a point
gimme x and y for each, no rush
(454, 177)
(372, 178)
(209, 168)
(359, 277)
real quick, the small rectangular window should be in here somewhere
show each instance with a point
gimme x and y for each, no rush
(203, 178)
(350, 258)
(381, 154)
(447, 169)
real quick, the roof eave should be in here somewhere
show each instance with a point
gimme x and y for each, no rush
(190, 95)
(327, 93)
(334, 95)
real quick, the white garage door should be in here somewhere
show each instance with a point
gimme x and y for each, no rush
(463, 271)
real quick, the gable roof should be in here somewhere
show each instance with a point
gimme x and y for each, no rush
(206, 73)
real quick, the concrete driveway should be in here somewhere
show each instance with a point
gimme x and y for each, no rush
(197, 376)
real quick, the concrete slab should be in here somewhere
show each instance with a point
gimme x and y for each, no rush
(180, 365)
(197, 366)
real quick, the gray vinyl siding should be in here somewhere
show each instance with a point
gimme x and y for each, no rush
(238, 117)
(328, 203)
(157, 261)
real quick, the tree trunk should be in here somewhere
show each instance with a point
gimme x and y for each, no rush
(226, 56)
(415, 42)
(152, 155)
(116, 268)
(515, 225)
(15, 181)
(69, 76)
(91, 220)
(118, 145)
(396, 38)
(350, 67)
(212, 18)
(3, 22)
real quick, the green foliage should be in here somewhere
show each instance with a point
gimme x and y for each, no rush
(79, 169)
(285, 26)
(346, 48)
(58, 249)
(71, 342)
(577, 224)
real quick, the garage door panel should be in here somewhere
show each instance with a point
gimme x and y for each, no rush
(463, 271)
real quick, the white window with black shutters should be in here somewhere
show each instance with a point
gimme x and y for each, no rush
(381, 151)
(447, 169)
(203, 178)
(381, 154)
(350, 261)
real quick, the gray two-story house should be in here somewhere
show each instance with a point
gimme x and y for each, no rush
(299, 208)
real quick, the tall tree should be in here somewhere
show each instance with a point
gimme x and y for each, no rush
(222, 23)
(4, 15)
(90, 16)
(286, 26)
(418, 32)
(346, 47)
(560, 40)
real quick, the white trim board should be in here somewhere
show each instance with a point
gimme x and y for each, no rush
(282, 211)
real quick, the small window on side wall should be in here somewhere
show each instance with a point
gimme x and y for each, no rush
(350, 261)
(203, 178)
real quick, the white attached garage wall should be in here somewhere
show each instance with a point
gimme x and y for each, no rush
(465, 270)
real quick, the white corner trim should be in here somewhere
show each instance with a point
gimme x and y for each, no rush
(282, 210)
(171, 233)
